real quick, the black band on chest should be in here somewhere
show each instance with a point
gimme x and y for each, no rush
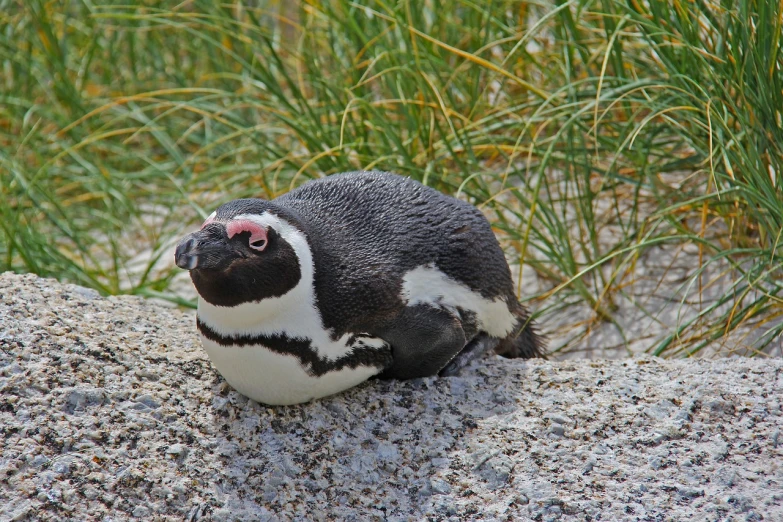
(314, 364)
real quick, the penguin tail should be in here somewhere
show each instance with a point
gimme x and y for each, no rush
(524, 341)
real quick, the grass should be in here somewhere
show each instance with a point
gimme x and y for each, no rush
(593, 133)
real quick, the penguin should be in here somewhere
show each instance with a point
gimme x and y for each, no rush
(349, 277)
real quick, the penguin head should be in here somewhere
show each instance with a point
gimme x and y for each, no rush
(245, 251)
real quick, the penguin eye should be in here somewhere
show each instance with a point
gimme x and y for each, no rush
(258, 244)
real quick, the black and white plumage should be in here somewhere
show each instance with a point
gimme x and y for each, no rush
(348, 277)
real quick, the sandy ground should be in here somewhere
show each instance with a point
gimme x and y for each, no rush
(110, 410)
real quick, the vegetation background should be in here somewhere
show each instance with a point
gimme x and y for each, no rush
(594, 134)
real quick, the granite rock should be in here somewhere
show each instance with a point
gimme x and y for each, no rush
(110, 410)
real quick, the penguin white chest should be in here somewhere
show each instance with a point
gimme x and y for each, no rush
(278, 379)
(285, 357)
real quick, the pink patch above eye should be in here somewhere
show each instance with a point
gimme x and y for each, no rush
(258, 236)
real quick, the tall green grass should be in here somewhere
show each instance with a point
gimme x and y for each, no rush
(590, 132)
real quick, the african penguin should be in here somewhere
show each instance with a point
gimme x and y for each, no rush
(348, 277)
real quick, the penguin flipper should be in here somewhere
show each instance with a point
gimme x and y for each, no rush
(423, 339)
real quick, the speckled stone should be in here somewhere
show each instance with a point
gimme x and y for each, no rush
(110, 410)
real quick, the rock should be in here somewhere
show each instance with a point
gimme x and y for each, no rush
(141, 512)
(559, 418)
(690, 492)
(109, 409)
(440, 487)
(83, 292)
(726, 476)
(557, 429)
(661, 410)
(588, 467)
(656, 462)
(17, 510)
(720, 451)
(81, 398)
(176, 449)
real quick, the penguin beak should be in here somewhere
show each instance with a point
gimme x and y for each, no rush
(202, 250)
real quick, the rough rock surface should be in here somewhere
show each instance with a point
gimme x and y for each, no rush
(110, 410)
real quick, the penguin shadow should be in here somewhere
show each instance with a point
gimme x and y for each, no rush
(384, 449)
